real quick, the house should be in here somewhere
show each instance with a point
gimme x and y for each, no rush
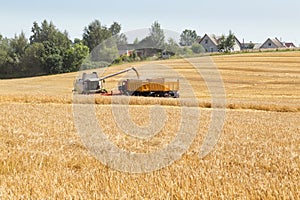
(147, 52)
(150, 52)
(257, 46)
(237, 45)
(145, 48)
(272, 43)
(289, 45)
(126, 49)
(210, 43)
(250, 45)
(143, 51)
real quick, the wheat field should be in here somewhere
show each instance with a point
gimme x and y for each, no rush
(257, 156)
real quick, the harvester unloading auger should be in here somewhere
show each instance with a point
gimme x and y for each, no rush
(91, 83)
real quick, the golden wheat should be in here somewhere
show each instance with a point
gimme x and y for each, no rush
(257, 157)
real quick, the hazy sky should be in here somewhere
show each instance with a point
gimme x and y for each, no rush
(254, 20)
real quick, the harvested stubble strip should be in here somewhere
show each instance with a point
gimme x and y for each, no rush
(124, 100)
(59, 99)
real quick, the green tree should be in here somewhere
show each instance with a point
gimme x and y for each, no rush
(50, 51)
(172, 46)
(95, 34)
(221, 43)
(226, 43)
(48, 32)
(37, 36)
(19, 44)
(197, 48)
(32, 62)
(186, 51)
(4, 53)
(59, 55)
(54, 64)
(9, 60)
(188, 37)
(230, 41)
(55, 44)
(52, 58)
(115, 28)
(74, 57)
(120, 38)
(157, 36)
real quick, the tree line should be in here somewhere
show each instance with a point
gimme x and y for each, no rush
(51, 51)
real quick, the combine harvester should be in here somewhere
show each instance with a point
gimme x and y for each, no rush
(91, 84)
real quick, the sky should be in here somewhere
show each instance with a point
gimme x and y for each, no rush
(254, 20)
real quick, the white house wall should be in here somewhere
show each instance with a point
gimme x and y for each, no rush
(236, 46)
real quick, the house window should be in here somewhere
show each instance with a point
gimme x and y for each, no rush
(206, 41)
(269, 44)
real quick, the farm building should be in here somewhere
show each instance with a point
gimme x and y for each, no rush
(143, 52)
(257, 46)
(272, 43)
(210, 43)
(126, 49)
